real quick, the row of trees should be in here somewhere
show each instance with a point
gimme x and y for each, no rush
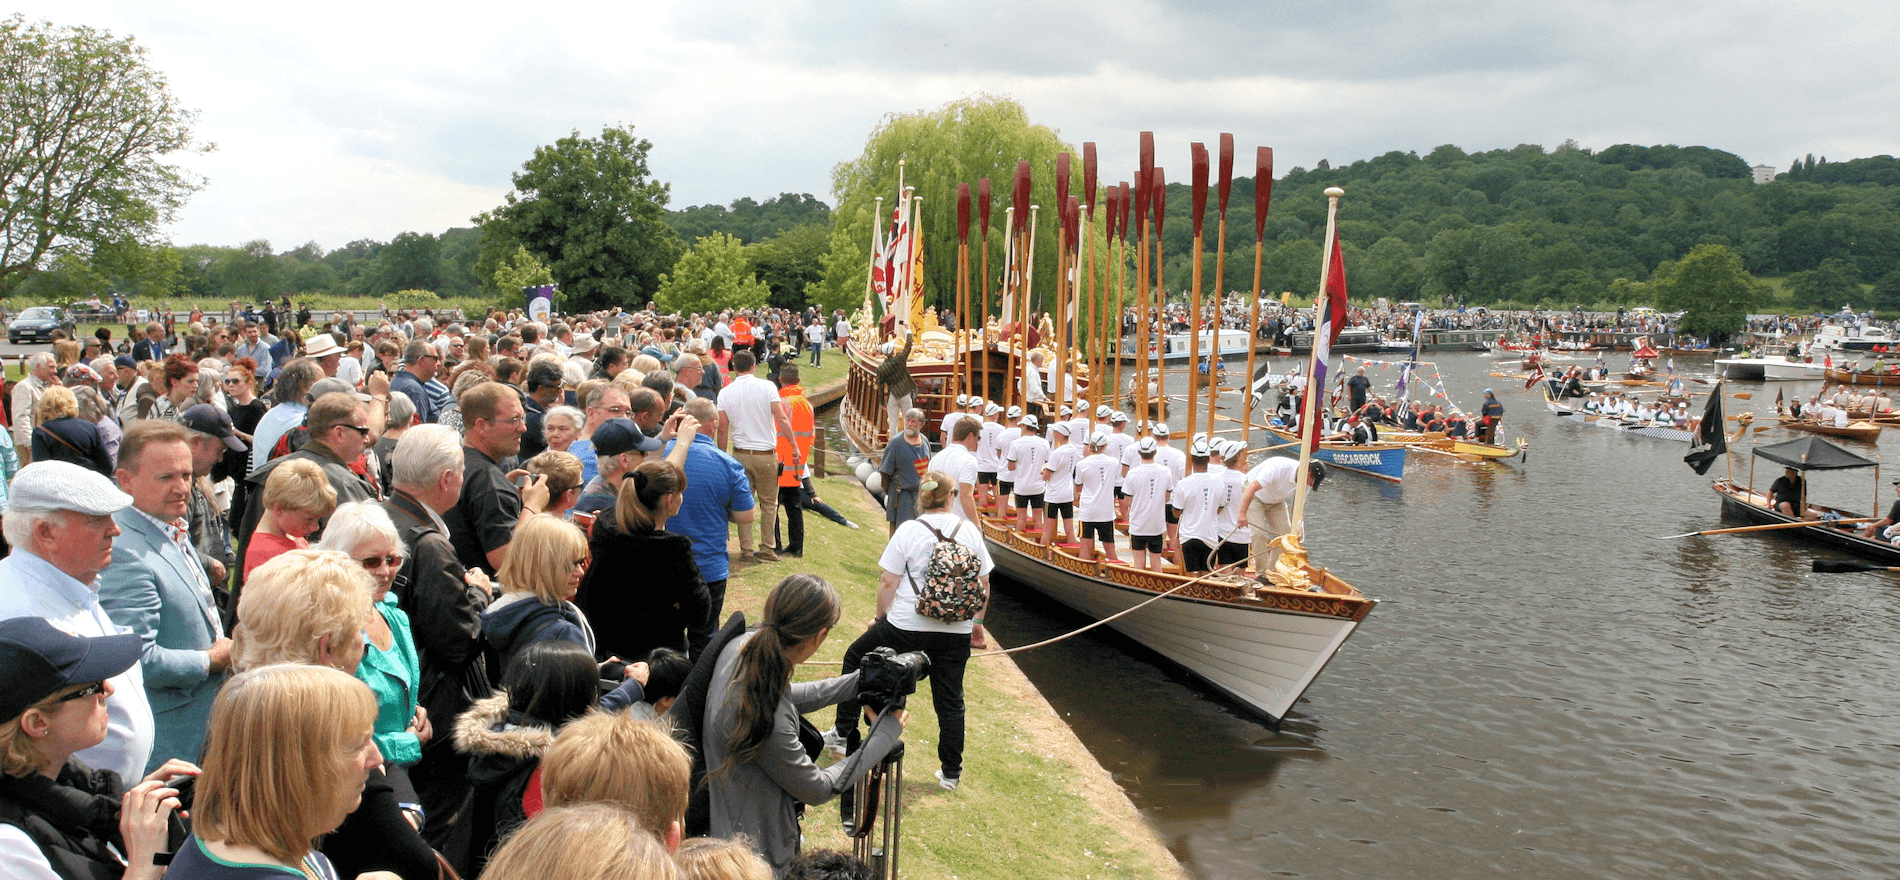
(1522, 226)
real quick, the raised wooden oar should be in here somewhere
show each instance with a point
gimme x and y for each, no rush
(1831, 566)
(1197, 195)
(1767, 528)
(1224, 185)
(1262, 196)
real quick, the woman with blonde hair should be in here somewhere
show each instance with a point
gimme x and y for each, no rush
(546, 560)
(61, 435)
(297, 497)
(65, 353)
(671, 606)
(310, 607)
(583, 842)
(286, 757)
(303, 606)
(719, 858)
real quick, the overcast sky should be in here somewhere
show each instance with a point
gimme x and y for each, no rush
(345, 120)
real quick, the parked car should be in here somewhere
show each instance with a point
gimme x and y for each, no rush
(37, 324)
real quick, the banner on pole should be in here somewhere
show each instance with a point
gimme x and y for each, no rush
(540, 302)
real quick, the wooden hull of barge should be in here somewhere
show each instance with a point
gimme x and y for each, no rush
(1887, 379)
(1743, 504)
(1262, 653)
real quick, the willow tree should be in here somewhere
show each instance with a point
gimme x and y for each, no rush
(960, 142)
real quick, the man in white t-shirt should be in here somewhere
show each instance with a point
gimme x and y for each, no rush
(1058, 477)
(1232, 469)
(1268, 500)
(752, 418)
(1119, 442)
(1199, 500)
(1096, 478)
(1026, 457)
(988, 461)
(1176, 462)
(1148, 486)
(1006, 441)
(958, 459)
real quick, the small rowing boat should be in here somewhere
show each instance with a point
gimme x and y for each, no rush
(1863, 431)
(1806, 454)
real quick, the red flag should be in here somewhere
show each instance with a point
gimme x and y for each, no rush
(1330, 318)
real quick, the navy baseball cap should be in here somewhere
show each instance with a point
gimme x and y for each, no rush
(616, 436)
(40, 660)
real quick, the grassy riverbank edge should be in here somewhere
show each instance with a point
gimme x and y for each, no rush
(1033, 803)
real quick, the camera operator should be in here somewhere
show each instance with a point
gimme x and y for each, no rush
(903, 626)
(761, 773)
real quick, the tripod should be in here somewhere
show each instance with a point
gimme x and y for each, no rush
(881, 790)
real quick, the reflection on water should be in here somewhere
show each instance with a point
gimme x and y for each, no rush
(1546, 689)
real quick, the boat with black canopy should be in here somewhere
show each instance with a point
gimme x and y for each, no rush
(1807, 454)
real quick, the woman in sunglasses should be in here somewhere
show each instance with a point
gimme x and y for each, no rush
(58, 817)
(390, 665)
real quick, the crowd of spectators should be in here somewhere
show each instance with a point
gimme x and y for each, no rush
(350, 597)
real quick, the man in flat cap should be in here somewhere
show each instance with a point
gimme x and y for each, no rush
(61, 527)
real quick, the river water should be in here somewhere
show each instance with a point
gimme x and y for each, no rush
(1546, 689)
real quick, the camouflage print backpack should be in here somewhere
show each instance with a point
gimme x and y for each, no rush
(952, 590)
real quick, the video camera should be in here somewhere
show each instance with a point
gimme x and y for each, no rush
(886, 678)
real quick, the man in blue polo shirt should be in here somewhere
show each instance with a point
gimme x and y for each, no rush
(717, 493)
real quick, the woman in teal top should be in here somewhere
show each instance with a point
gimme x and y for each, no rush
(390, 668)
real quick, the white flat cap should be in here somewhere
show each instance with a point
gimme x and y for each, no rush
(60, 485)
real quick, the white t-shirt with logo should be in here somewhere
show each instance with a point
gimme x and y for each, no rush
(1096, 477)
(987, 460)
(1005, 443)
(1233, 520)
(1027, 456)
(1200, 498)
(1061, 473)
(1148, 487)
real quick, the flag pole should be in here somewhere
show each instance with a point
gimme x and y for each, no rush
(1225, 185)
(1309, 431)
(1197, 165)
(1262, 195)
(877, 247)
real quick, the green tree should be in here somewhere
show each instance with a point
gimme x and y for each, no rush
(1886, 294)
(514, 273)
(85, 124)
(587, 208)
(249, 273)
(1712, 289)
(959, 142)
(1826, 287)
(791, 261)
(411, 261)
(714, 276)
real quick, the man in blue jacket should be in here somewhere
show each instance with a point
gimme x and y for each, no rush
(156, 587)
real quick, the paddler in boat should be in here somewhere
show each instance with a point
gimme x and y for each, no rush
(1147, 485)
(1268, 499)
(988, 460)
(1874, 529)
(1788, 494)
(1097, 483)
(1026, 458)
(1362, 430)
(1455, 427)
(1176, 462)
(1490, 413)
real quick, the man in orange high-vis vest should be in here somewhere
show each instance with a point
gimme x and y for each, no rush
(794, 454)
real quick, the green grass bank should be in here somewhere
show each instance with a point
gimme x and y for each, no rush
(1033, 803)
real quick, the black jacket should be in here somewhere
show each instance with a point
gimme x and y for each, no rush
(72, 440)
(72, 819)
(444, 615)
(666, 605)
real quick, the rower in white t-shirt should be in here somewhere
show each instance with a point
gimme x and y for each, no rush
(1096, 478)
(1058, 474)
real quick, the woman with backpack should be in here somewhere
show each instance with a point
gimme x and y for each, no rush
(932, 591)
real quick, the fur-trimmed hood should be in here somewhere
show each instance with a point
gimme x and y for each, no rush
(485, 729)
